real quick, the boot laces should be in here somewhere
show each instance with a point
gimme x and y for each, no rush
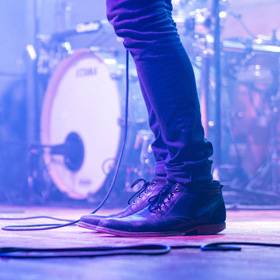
(139, 194)
(160, 202)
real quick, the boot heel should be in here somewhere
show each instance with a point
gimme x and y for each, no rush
(210, 229)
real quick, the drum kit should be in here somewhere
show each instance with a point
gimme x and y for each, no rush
(81, 73)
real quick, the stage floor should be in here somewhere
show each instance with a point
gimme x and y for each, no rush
(251, 263)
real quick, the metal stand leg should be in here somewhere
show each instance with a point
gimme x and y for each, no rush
(218, 83)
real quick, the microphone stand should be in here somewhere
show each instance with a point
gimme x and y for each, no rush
(216, 8)
(32, 79)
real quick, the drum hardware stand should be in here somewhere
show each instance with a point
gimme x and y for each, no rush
(212, 57)
(275, 153)
(218, 81)
(206, 88)
(269, 171)
(216, 22)
(32, 99)
(72, 151)
(38, 184)
(139, 163)
(265, 182)
(143, 141)
(33, 106)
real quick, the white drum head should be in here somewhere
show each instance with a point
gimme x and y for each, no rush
(81, 100)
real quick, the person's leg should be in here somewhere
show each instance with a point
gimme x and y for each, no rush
(191, 203)
(167, 77)
(159, 149)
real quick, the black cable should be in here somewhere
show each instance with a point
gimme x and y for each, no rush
(34, 227)
(39, 227)
(145, 249)
(36, 217)
(235, 246)
(124, 139)
(41, 253)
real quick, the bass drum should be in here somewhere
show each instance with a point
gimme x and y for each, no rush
(80, 123)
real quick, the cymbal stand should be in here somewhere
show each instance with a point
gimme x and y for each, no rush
(216, 8)
(274, 133)
(267, 176)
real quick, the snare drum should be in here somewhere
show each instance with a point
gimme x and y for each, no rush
(82, 107)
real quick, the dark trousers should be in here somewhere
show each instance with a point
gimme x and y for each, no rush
(168, 86)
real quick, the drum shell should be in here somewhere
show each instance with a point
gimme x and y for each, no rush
(103, 116)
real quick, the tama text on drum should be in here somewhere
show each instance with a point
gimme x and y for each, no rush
(89, 71)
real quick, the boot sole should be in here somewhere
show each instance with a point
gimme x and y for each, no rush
(211, 229)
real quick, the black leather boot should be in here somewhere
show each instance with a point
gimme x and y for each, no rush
(137, 202)
(193, 209)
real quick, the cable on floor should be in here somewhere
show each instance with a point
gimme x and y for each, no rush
(146, 250)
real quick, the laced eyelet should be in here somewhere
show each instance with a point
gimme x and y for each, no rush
(139, 194)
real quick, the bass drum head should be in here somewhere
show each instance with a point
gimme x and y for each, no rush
(81, 109)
